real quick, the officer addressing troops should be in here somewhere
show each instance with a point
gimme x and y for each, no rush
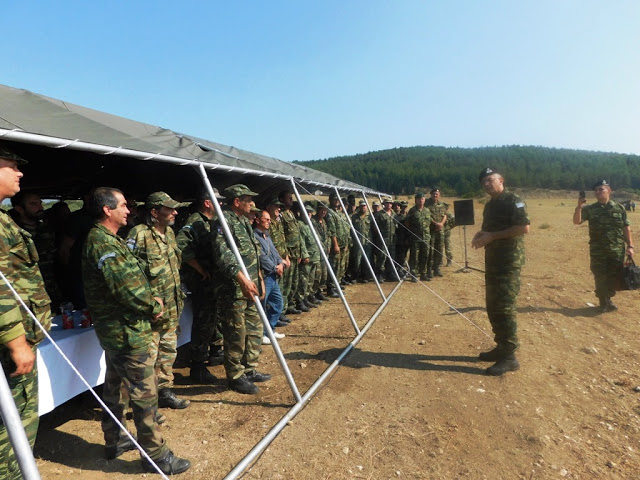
(154, 244)
(418, 222)
(241, 325)
(19, 334)
(609, 229)
(123, 306)
(196, 244)
(504, 224)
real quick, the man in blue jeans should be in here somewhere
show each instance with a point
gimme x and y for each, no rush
(272, 267)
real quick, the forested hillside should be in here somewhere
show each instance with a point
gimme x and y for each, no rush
(455, 170)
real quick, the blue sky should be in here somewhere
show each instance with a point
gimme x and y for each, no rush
(301, 80)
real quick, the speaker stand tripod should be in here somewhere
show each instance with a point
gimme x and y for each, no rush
(467, 268)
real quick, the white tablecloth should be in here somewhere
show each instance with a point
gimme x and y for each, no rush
(57, 382)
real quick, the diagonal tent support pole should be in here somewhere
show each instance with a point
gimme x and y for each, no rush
(384, 244)
(256, 299)
(326, 260)
(355, 235)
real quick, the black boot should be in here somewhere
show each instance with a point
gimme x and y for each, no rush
(504, 365)
(321, 296)
(216, 356)
(425, 277)
(243, 385)
(429, 274)
(308, 303)
(168, 464)
(301, 306)
(124, 445)
(255, 376)
(606, 305)
(200, 374)
(437, 272)
(332, 293)
(492, 355)
(168, 399)
(293, 311)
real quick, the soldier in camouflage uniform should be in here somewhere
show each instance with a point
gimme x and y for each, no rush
(274, 207)
(418, 223)
(123, 305)
(18, 333)
(361, 221)
(294, 251)
(154, 244)
(241, 325)
(320, 226)
(438, 219)
(387, 226)
(308, 269)
(402, 239)
(609, 229)
(449, 224)
(338, 229)
(196, 244)
(504, 224)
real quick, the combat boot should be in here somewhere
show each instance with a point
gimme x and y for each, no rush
(492, 355)
(437, 272)
(243, 385)
(201, 375)
(216, 356)
(293, 311)
(504, 365)
(321, 296)
(449, 263)
(314, 300)
(429, 274)
(606, 305)
(124, 445)
(168, 399)
(332, 292)
(301, 306)
(425, 277)
(168, 464)
(255, 376)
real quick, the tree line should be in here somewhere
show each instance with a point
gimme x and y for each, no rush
(455, 170)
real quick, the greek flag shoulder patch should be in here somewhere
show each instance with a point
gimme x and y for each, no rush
(520, 205)
(104, 257)
(131, 243)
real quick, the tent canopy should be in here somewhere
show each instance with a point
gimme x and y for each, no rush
(72, 148)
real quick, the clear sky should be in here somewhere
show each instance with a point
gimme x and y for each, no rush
(301, 80)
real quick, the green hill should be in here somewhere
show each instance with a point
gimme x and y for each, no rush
(455, 170)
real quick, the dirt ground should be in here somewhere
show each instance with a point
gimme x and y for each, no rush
(412, 401)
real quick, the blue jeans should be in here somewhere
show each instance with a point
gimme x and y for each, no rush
(273, 302)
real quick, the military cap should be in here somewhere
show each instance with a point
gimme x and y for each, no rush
(333, 195)
(404, 203)
(434, 190)
(600, 183)
(255, 209)
(217, 194)
(9, 155)
(396, 202)
(309, 208)
(486, 172)
(160, 199)
(237, 191)
(274, 201)
(375, 204)
(362, 203)
(387, 200)
(419, 195)
(320, 205)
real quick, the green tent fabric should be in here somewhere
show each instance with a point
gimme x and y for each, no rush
(63, 171)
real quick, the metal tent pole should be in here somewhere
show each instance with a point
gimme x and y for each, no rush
(355, 235)
(262, 445)
(326, 260)
(256, 299)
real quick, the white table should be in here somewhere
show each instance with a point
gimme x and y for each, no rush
(57, 382)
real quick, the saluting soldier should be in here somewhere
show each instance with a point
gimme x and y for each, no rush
(123, 305)
(504, 224)
(241, 326)
(419, 224)
(438, 219)
(154, 244)
(19, 334)
(609, 229)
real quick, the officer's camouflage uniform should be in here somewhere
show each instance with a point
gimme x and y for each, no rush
(294, 250)
(362, 225)
(160, 259)
(241, 326)
(122, 307)
(320, 226)
(418, 222)
(308, 271)
(503, 260)
(436, 250)
(338, 226)
(19, 263)
(196, 243)
(448, 225)
(606, 243)
(387, 226)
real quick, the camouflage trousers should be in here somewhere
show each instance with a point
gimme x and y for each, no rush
(502, 286)
(334, 261)
(290, 280)
(418, 255)
(401, 255)
(383, 262)
(24, 390)
(320, 278)
(307, 276)
(204, 329)
(606, 271)
(164, 350)
(130, 381)
(357, 263)
(447, 245)
(436, 250)
(344, 261)
(242, 331)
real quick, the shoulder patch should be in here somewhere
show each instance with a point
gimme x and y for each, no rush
(131, 243)
(104, 257)
(520, 204)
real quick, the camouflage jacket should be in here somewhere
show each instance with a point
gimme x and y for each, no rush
(292, 234)
(118, 293)
(507, 210)
(226, 263)
(277, 237)
(606, 227)
(401, 230)
(387, 225)
(320, 226)
(195, 242)
(338, 226)
(450, 223)
(362, 224)
(310, 246)
(438, 211)
(159, 257)
(418, 222)
(19, 264)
